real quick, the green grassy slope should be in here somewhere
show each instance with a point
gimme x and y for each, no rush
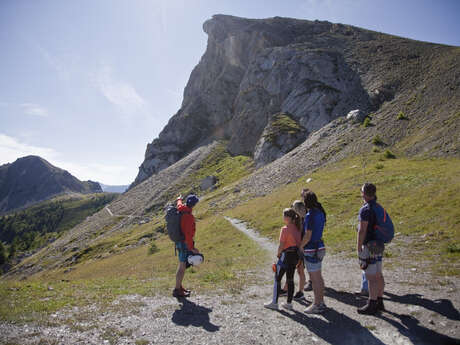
(421, 195)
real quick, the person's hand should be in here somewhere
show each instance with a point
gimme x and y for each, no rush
(179, 197)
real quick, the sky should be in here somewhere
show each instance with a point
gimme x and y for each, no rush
(87, 84)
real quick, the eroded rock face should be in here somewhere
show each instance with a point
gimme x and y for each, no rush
(253, 69)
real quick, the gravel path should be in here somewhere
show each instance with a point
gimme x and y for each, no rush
(420, 311)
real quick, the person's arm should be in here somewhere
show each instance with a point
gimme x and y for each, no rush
(280, 249)
(362, 232)
(306, 238)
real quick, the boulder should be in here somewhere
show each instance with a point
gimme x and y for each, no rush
(208, 182)
(357, 116)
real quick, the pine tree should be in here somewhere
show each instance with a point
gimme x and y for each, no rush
(2, 254)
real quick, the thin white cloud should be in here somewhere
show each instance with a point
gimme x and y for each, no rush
(12, 149)
(60, 68)
(34, 109)
(120, 93)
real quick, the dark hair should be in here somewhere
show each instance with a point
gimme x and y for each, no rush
(290, 213)
(369, 189)
(311, 201)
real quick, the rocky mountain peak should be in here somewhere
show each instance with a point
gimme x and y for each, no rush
(254, 69)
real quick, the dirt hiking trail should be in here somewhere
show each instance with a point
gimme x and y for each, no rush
(419, 311)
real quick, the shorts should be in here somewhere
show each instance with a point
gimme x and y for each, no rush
(183, 251)
(314, 265)
(375, 265)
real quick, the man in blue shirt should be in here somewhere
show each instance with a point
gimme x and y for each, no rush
(372, 264)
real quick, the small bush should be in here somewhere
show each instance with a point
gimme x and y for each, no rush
(367, 122)
(389, 155)
(375, 150)
(402, 116)
(377, 141)
(379, 166)
(153, 248)
(453, 248)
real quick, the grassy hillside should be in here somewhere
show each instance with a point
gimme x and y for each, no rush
(421, 195)
(34, 227)
(141, 259)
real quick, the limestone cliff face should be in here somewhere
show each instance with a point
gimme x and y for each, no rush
(253, 69)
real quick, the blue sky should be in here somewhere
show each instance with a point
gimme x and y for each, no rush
(87, 84)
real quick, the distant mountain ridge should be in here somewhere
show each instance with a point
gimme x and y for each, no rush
(31, 179)
(114, 188)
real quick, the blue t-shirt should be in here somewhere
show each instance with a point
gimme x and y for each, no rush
(365, 215)
(314, 221)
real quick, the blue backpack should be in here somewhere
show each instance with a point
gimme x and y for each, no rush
(383, 227)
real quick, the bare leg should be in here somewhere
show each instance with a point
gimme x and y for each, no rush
(318, 286)
(374, 286)
(381, 284)
(302, 279)
(180, 274)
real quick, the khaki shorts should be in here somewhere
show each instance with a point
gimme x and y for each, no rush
(376, 264)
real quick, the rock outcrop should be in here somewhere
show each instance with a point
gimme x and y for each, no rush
(252, 70)
(32, 179)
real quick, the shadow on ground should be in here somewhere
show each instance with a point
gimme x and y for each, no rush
(335, 328)
(192, 314)
(408, 325)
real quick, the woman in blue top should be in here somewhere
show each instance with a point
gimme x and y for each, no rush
(314, 249)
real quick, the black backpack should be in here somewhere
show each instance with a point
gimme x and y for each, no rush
(173, 218)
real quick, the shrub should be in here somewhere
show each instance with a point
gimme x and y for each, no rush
(367, 122)
(389, 155)
(402, 116)
(153, 248)
(377, 141)
(379, 166)
(375, 149)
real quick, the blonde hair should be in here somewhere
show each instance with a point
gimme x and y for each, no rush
(299, 207)
(295, 218)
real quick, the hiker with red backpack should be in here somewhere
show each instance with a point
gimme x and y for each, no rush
(375, 229)
(180, 224)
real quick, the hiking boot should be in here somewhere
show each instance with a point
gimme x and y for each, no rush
(362, 292)
(283, 292)
(380, 305)
(185, 290)
(371, 308)
(271, 305)
(299, 295)
(309, 287)
(315, 309)
(178, 293)
(287, 306)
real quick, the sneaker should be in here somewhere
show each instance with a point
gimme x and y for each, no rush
(287, 306)
(180, 293)
(271, 305)
(380, 305)
(315, 309)
(361, 292)
(309, 287)
(283, 292)
(299, 295)
(371, 308)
